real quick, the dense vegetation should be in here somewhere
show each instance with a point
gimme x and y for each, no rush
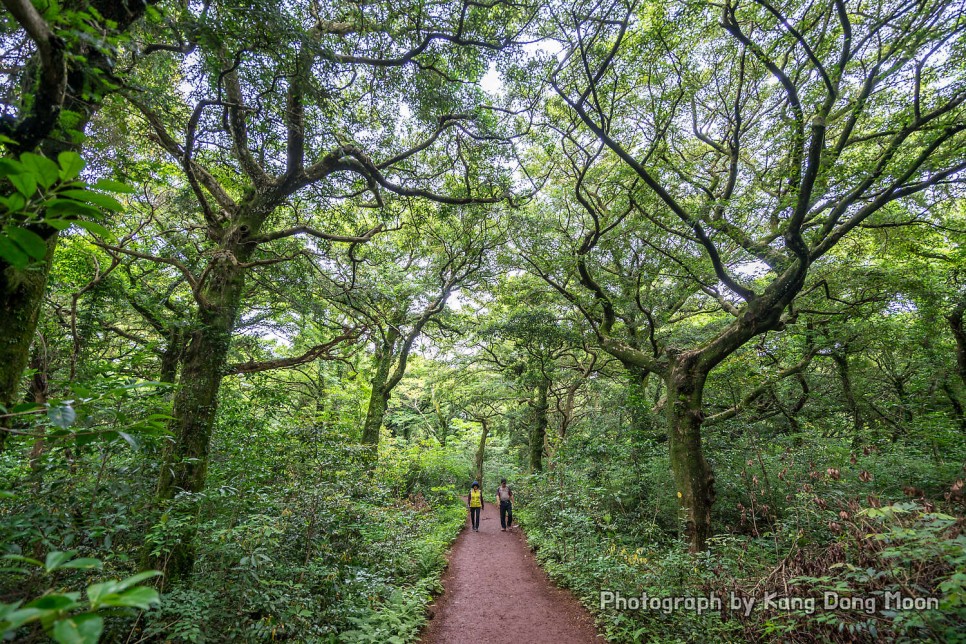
(278, 280)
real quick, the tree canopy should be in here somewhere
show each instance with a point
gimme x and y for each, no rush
(278, 280)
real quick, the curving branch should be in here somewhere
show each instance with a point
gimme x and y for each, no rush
(318, 352)
(761, 389)
(359, 162)
(170, 261)
(197, 174)
(238, 128)
(318, 234)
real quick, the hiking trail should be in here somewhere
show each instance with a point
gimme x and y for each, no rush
(495, 593)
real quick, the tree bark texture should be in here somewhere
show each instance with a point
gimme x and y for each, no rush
(538, 430)
(481, 451)
(22, 291)
(693, 479)
(379, 398)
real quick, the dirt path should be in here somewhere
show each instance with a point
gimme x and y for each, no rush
(495, 593)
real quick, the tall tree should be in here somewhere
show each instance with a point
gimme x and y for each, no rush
(751, 140)
(55, 78)
(289, 148)
(414, 278)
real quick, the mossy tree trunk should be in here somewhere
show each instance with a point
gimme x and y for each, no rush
(391, 359)
(538, 429)
(955, 319)
(79, 93)
(21, 293)
(481, 450)
(202, 371)
(693, 479)
(185, 464)
(381, 390)
(842, 368)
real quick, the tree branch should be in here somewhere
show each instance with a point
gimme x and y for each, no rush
(318, 352)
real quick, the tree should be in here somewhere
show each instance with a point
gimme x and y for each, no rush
(531, 340)
(288, 150)
(63, 68)
(749, 141)
(415, 277)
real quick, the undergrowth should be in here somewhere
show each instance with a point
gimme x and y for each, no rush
(847, 527)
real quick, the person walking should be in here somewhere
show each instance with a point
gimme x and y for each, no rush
(504, 496)
(474, 501)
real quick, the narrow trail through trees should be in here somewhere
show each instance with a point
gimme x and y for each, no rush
(497, 594)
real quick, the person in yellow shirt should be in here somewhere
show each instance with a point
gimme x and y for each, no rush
(474, 501)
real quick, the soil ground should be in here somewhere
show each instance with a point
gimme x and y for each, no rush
(495, 593)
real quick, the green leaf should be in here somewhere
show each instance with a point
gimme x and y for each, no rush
(15, 202)
(96, 593)
(133, 442)
(62, 416)
(55, 559)
(59, 224)
(138, 578)
(32, 243)
(10, 166)
(94, 228)
(97, 198)
(109, 185)
(11, 253)
(44, 170)
(55, 602)
(25, 184)
(140, 597)
(18, 618)
(71, 208)
(6, 609)
(85, 438)
(79, 629)
(111, 592)
(84, 563)
(71, 165)
(23, 559)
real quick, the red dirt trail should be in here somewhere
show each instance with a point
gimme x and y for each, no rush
(495, 593)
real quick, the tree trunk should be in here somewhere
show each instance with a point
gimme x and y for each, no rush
(378, 403)
(379, 398)
(21, 293)
(957, 406)
(195, 404)
(538, 431)
(481, 451)
(38, 394)
(172, 355)
(693, 478)
(442, 422)
(842, 367)
(959, 333)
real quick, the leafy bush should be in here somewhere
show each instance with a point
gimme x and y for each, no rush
(63, 615)
(796, 520)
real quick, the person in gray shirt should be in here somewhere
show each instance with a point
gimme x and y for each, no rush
(504, 496)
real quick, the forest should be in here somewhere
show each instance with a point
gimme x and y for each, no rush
(280, 279)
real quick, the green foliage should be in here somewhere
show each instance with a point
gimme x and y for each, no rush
(64, 615)
(892, 553)
(493, 259)
(316, 545)
(791, 530)
(49, 193)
